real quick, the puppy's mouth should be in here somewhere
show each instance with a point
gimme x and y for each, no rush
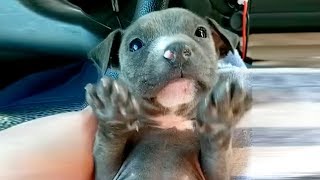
(178, 91)
(175, 89)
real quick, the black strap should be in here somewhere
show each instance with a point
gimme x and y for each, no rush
(146, 6)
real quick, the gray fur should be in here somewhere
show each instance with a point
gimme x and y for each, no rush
(128, 144)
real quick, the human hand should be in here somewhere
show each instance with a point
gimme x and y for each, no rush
(52, 147)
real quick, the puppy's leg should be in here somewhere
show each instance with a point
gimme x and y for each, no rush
(217, 116)
(117, 113)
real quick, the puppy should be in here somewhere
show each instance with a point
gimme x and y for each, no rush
(170, 114)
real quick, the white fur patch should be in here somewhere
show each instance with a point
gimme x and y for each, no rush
(173, 121)
(162, 43)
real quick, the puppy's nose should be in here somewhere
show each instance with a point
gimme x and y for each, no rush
(177, 51)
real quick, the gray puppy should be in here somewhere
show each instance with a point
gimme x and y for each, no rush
(169, 115)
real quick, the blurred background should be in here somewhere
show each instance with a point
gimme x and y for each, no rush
(285, 33)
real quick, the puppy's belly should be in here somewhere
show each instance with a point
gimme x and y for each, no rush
(163, 154)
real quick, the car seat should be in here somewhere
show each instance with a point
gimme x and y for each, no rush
(70, 33)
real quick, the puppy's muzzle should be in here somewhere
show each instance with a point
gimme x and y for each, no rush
(177, 52)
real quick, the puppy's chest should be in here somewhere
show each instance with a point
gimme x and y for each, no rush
(163, 154)
(173, 121)
(181, 117)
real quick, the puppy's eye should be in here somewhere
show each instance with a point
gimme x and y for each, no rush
(135, 44)
(201, 32)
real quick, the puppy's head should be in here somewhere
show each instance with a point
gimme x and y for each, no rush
(169, 55)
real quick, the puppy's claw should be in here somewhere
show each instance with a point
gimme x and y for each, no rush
(116, 87)
(104, 82)
(225, 106)
(123, 111)
(92, 97)
(113, 104)
(133, 126)
(88, 87)
(135, 105)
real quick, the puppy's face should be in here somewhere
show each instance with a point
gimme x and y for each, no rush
(166, 55)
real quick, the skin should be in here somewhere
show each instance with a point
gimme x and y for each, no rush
(143, 131)
(41, 151)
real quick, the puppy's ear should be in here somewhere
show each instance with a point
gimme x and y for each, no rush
(224, 39)
(105, 54)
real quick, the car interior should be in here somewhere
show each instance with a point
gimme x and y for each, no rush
(40, 44)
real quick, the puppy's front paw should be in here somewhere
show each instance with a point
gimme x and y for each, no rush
(112, 103)
(223, 108)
